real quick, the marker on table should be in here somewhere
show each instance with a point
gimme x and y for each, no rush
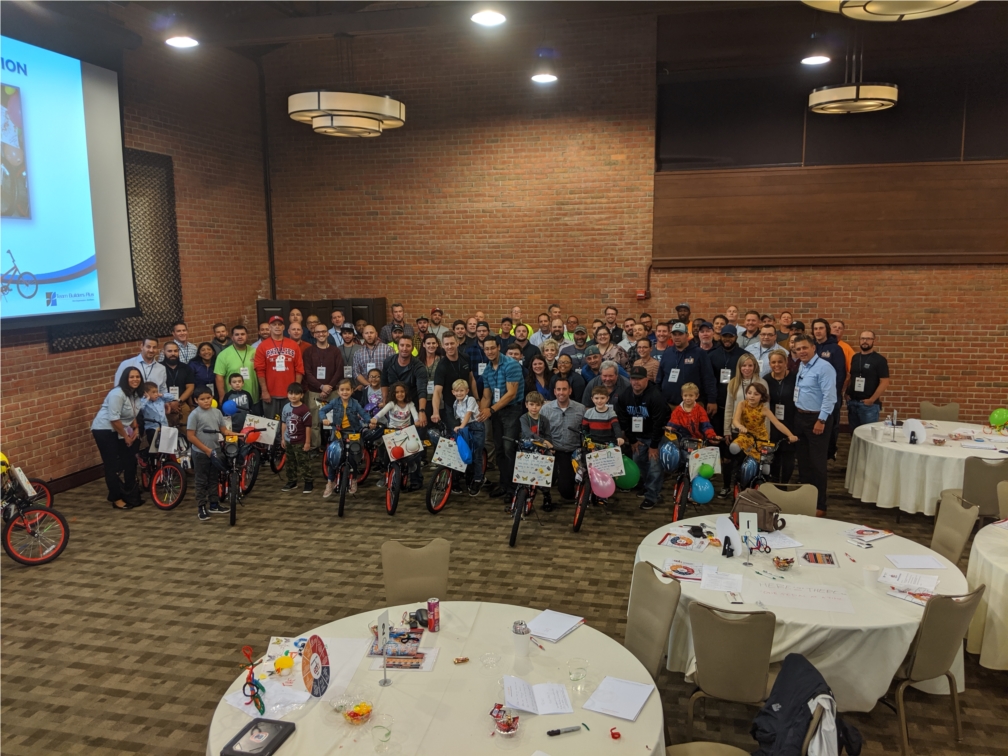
(850, 557)
(563, 730)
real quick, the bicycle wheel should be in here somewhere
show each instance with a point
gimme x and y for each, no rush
(393, 485)
(680, 501)
(343, 482)
(277, 459)
(438, 490)
(168, 486)
(234, 491)
(36, 536)
(366, 458)
(518, 504)
(250, 471)
(27, 286)
(581, 505)
(43, 494)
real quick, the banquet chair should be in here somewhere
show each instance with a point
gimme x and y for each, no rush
(703, 748)
(933, 650)
(798, 501)
(649, 619)
(732, 656)
(1003, 499)
(980, 484)
(953, 525)
(929, 411)
(414, 575)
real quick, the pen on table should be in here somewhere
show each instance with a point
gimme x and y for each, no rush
(850, 557)
(535, 641)
(563, 730)
(767, 574)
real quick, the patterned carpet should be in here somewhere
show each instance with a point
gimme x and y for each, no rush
(127, 642)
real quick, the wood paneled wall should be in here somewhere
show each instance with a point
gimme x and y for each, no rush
(917, 213)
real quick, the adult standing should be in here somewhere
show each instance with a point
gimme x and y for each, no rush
(784, 331)
(719, 322)
(564, 417)
(686, 363)
(338, 318)
(732, 314)
(867, 381)
(180, 335)
(705, 336)
(453, 367)
(647, 321)
(837, 328)
(179, 378)
(115, 432)
(752, 327)
(645, 360)
(420, 334)
(471, 325)
(506, 332)
(576, 349)
(404, 368)
(262, 333)
(238, 358)
(544, 330)
(746, 374)
(610, 378)
(683, 316)
(528, 349)
(220, 338)
(815, 397)
(829, 349)
(146, 362)
(430, 359)
(610, 350)
(278, 363)
(781, 385)
(371, 356)
(348, 349)
(567, 371)
(398, 319)
(724, 363)
(643, 414)
(436, 327)
(762, 348)
(323, 370)
(610, 315)
(663, 334)
(516, 320)
(539, 378)
(501, 403)
(295, 332)
(558, 333)
(203, 368)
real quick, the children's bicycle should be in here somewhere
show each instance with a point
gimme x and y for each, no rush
(680, 495)
(233, 469)
(346, 452)
(32, 534)
(523, 501)
(584, 495)
(752, 473)
(162, 475)
(445, 479)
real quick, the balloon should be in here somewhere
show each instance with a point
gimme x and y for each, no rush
(602, 483)
(668, 453)
(229, 407)
(999, 417)
(701, 490)
(213, 403)
(705, 471)
(397, 452)
(630, 476)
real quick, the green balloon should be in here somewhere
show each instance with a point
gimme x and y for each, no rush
(999, 417)
(705, 471)
(630, 476)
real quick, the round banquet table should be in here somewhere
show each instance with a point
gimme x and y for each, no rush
(988, 565)
(907, 476)
(857, 653)
(447, 709)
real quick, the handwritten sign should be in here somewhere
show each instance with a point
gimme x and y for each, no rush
(819, 598)
(446, 455)
(267, 428)
(608, 461)
(407, 438)
(533, 469)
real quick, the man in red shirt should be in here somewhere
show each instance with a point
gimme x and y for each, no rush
(278, 364)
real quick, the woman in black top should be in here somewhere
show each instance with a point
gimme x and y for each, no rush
(782, 385)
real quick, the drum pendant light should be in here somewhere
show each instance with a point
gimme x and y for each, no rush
(889, 10)
(854, 95)
(346, 114)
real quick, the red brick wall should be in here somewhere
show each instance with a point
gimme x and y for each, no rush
(200, 107)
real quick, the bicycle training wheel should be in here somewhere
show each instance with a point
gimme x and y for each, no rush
(438, 490)
(393, 484)
(36, 536)
(168, 486)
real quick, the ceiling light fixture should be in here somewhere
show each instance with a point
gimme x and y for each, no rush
(889, 10)
(488, 18)
(346, 114)
(544, 71)
(815, 60)
(181, 42)
(853, 96)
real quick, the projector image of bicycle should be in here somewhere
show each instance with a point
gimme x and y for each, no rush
(25, 282)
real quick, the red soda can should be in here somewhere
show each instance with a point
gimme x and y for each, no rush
(434, 615)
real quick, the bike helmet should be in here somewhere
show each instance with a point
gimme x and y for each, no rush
(747, 471)
(334, 452)
(219, 461)
(668, 454)
(4, 464)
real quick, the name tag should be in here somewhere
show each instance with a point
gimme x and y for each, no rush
(637, 424)
(779, 412)
(480, 368)
(725, 375)
(370, 366)
(348, 371)
(281, 364)
(320, 373)
(763, 365)
(430, 387)
(496, 395)
(796, 394)
(244, 372)
(173, 390)
(859, 384)
(673, 376)
(211, 387)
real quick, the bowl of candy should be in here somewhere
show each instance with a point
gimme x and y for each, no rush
(505, 722)
(357, 711)
(938, 441)
(783, 563)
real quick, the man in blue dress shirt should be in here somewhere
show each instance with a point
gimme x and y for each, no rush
(815, 396)
(501, 404)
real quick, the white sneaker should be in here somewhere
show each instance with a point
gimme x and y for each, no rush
(330, 486)
(353, 485)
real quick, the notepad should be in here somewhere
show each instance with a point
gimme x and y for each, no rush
(553, 626)
(778, 540)
(619, 698)
(544, 698)
(867, 535)
(713, 580)
(908, 579)
(978, 445)
(915, 562)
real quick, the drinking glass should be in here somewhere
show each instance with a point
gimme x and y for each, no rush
(577, 669)
(381, 732)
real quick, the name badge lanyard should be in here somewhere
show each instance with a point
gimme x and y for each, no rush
(802, 372)
(859, 381)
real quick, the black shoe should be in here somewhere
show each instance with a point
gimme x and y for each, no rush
(475, 487)
(723, 493)
(202, 514)
(548, 505)
(647, 505)
(499, 493)
(309, 486)
(216, 508)
(288, 487)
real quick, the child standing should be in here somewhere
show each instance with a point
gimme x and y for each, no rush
(202, 427)
(466, 408)
(370, 397)
(296, 422)
(536, 427)
(348, 417)
(600, 421)
(241, 398)
(689, 419)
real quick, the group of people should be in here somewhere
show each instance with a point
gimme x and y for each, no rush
(738, 380)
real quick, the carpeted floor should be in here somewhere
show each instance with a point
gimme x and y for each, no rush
(127, 642)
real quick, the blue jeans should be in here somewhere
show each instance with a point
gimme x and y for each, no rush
(859, 413)
(477, 432)
(651, 472)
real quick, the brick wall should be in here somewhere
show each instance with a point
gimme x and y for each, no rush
(200, 107)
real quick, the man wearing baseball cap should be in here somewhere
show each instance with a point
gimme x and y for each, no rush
(278, 363)
(724, 361)
(686, 363)
(576, 350)
(436, 327)
(683, 316)
(645, 412)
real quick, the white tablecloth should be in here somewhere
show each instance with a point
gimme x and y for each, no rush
(447, 710)
(912, 478)
(856, 653)
(988, 564)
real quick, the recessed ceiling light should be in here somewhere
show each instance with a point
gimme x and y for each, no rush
(488, 18)
(544, 78)
(815, 60)
(181, 42)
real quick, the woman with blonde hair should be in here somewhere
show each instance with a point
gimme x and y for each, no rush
(747, 373)
(550, 349)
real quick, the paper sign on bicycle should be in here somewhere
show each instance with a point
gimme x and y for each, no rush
(267, 428)
(710, 455)
(533, 469)
(607, 461)
(168, 440)
(407, 439)
(446, 455)
(22, 480)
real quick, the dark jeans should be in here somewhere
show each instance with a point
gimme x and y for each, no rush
(118, 458)
(782, 467)
(812, 450)
(477, 431)
(206, 476)
(834, 430)
(563, 474)
(651, 473)
(506, 428)
(859, 413)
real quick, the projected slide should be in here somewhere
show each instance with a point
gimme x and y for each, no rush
(52, 236)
